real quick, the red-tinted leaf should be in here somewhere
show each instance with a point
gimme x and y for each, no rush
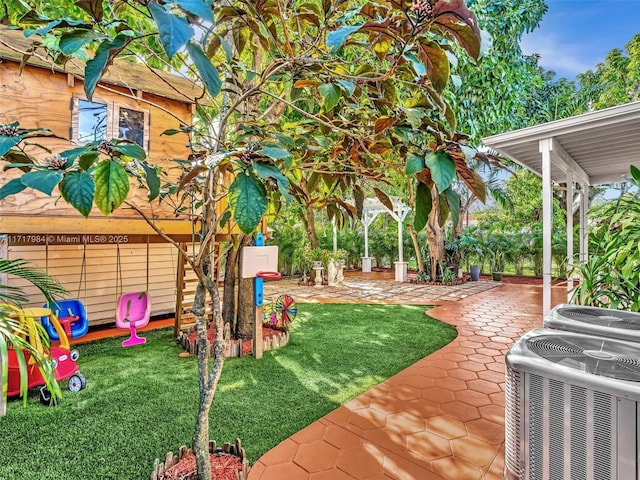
(436, 62)
(305, 83)
(470, 177)
(384, 198)
(358, 197)
(453, 17)
(195, 171)
(382, 124)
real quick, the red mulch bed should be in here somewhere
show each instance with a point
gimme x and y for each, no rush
(247, 345)
(223, 467)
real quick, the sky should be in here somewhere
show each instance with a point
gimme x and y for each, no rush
(575, 35)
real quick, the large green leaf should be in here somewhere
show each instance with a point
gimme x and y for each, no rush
(248, 199)
(442, 168)
(336, 38)
(207, 71)
(266, 170)
(174, 31)
(424, 204)
(7, 143)
(71, 42)
(275, 153)
(132, 150)
(415, 163)
(95, 67)
(197, 7)
(88, 159)
(78, 189)
(112, 186)
(331, 95)
(153, 182)
(42, 180)
(453, 199)
(635, 173)
(11, 188)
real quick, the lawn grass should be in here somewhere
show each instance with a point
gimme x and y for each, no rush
(140, 402)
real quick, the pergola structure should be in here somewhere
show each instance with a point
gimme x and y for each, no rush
(590, 149)
(370, 210)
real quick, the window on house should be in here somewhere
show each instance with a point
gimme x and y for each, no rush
(92, 121)
(101, 120)
(131, 125)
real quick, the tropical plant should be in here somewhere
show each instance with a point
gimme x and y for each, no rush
(611, 276)
(24, 334)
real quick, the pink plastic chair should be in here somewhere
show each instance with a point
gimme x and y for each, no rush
(133, 312)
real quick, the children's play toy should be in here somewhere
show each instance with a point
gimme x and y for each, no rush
(72, 316)
(134, 310)
(64, 359)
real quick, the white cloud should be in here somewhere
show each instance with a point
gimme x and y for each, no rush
(567, 59)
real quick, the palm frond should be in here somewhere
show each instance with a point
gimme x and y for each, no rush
(49, 286)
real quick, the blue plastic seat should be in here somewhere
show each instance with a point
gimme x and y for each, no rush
(72, 316)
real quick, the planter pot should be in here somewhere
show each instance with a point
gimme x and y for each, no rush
(497, 276)
(317, 264)
(475, 273)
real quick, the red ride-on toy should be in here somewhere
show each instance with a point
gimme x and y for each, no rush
(63, 357)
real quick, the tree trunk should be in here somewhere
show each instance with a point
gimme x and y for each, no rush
(416, 247)
(246, 302)
(229, 293)
(435, 235)
(310, 225)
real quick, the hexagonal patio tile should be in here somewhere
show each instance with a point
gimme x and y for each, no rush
(428, 445)
(446, 426)
(405, 422)
(316, 456)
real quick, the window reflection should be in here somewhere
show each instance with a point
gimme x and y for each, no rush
(92, 121)
(131, 125)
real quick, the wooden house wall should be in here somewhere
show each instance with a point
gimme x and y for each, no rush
(100, 284)
(41, 98)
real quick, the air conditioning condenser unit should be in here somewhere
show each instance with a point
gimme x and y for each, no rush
(602, 322)
(572, 407)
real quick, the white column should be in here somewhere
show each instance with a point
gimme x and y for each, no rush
(400, 249)
(569, 234)
(335, 236)
(366, 239)
(547, 224)
(584, 223)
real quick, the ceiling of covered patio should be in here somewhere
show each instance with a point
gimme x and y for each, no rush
(603, 144)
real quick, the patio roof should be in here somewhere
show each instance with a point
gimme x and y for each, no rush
(602, 144)
(589, 149)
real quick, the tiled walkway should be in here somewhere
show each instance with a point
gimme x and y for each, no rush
(362, 288)
(441, 418)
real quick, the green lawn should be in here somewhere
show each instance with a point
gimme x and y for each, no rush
(140, 402)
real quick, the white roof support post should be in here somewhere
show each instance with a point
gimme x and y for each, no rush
(368, 216)
(547, 223)
(569, 234)
(584, 223)
(335, 235)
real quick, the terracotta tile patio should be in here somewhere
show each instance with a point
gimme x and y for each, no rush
(441, 418)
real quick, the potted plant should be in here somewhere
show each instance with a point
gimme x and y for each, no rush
(318, 256)
(470, 250)
(496, 249)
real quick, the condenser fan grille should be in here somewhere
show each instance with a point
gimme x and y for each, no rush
(591, 355)
(602, 316)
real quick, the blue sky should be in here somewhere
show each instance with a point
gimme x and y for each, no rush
(575, 35)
